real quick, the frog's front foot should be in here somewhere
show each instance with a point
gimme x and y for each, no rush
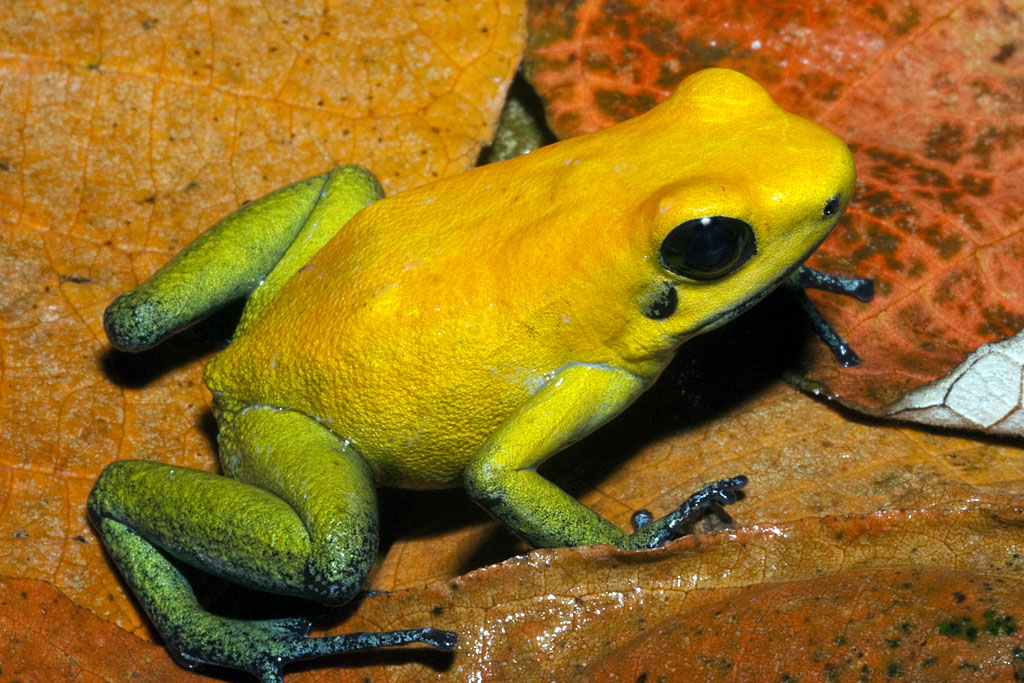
(652, 533)
(263, 648)
(860, 288)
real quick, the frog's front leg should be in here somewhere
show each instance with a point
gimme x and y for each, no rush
(251, 252)
(503, 478)
(301, 519)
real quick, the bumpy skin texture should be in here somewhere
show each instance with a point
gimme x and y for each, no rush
(458, 333)
(437, 313)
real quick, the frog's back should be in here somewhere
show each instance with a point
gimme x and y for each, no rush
(418, 329)
(434, 314)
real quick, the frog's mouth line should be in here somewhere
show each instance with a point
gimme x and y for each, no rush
(746, 304)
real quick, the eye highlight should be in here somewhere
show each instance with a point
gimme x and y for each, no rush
(708, 248)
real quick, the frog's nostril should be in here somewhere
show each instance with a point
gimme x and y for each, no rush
(831, 206)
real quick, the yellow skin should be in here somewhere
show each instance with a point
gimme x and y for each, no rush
(456, 334)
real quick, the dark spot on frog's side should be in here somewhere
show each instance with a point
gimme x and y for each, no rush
(661, 303)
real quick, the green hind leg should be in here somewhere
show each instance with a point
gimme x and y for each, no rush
(301, 520)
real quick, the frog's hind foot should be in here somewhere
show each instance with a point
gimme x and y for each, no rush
(264, 648)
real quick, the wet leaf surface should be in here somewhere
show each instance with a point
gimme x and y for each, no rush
(924, 594)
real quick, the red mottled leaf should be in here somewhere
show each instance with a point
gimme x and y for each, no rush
(930, 96)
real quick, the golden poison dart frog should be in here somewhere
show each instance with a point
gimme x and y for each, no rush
(456, 334)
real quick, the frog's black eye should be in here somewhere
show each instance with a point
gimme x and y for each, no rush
(830, 207)
(708, 248)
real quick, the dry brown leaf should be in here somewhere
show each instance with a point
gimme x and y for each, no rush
(46, 637)
(129, 127)
(923, 591)
(115, 153)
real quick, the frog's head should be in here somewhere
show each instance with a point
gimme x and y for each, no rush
(757, 192)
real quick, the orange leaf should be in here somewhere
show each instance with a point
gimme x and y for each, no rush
(116, 152)
(933, 624)
(917, 592)
(129, 127)
(48, 638)
(928, 97)
(863, 602)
